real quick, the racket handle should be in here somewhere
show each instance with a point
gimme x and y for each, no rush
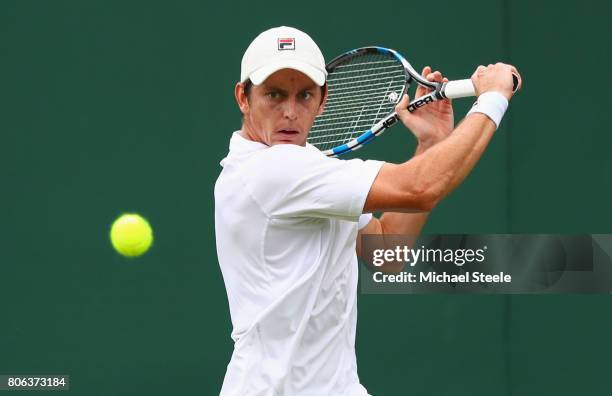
(465, 88)
(459, 89)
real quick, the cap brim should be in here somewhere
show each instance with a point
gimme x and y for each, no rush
(260, 75)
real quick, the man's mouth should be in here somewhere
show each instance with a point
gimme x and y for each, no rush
(288, 131)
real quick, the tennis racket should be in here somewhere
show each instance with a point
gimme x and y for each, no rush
(364, 86)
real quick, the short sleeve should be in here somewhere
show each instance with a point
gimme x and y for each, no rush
(294, 181)
(364, 220)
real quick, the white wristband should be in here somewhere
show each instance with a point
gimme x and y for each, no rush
(492, 104)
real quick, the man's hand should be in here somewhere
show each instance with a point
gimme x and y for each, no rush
(432, 123)
(497, 77)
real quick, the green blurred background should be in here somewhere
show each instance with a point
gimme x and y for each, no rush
(115, 106)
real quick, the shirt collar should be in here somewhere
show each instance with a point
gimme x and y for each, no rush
(240, 146)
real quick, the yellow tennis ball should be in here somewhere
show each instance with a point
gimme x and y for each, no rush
(131, 235)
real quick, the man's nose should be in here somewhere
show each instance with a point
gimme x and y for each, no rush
(290, 109)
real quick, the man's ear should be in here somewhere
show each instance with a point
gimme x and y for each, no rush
(324, 101)
(241, 98)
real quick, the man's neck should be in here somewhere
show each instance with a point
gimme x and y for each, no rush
(248, 134)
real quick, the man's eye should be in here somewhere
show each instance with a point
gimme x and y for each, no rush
(273, 94)
(306, 95)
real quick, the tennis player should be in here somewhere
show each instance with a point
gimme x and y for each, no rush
(288, 218)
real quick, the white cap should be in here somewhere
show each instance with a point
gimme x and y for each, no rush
(282, 48)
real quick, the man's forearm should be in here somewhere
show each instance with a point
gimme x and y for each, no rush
(441, 168)
(478, 149)
(397, 223)
(408, 225)
(420, 183)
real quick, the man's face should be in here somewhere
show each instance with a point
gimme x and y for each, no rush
(282, 109)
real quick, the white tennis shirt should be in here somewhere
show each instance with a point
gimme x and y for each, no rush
(286, 222)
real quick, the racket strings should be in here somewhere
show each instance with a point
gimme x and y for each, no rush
(362, 90)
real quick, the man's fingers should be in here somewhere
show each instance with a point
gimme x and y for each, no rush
(429, 75)
(435, 76)
(402, 106)
(420, 91)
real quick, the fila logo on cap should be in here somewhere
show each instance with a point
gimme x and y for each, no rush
(286, 44)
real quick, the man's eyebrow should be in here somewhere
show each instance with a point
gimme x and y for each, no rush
(275, 88)
(310, 87)
(284, 92)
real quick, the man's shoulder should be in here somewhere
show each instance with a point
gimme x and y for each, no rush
(278, 166)
(285, 155)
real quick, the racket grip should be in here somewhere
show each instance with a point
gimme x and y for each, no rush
(465, 88)
(459, 89)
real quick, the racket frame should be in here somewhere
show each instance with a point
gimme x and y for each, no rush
(390, 119)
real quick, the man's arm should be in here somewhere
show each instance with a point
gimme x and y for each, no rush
(430, 125)
(420, 183)
(395, 223)
(408, 192)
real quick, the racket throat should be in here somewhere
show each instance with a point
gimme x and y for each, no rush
(389, 122)
(431, 97)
